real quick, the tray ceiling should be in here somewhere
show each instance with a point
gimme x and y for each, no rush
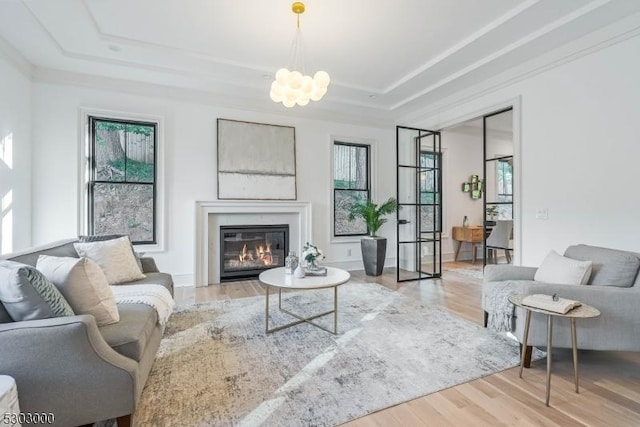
(385, 57)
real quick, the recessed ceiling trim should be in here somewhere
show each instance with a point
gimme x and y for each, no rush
(462, 44)
(507, 49)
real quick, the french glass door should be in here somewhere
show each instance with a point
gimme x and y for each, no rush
(419, 194)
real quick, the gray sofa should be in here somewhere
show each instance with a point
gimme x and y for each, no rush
(74, 369)
(613, 288)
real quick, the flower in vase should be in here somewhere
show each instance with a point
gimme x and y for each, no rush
(311, 254)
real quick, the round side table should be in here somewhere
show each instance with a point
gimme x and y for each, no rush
(583, 311)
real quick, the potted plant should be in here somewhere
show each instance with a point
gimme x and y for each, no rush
(374, 248)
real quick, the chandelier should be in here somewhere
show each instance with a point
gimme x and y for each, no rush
(293, 87)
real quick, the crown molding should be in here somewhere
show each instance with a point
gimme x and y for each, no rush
(16, 59)
(326, 111)
(613, 34)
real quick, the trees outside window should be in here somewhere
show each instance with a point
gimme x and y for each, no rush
(122, 179)
(351, 182)
(505, 188)
(429, 192)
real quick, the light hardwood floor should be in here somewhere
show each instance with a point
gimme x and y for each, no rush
(609, 381)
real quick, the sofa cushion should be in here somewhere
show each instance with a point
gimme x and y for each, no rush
(130, 336)
(562, 270)
(611, 267)
(28, 295)
(58, 248)
(114, 257)
(163, 279)
(4, 316)
(83, 284)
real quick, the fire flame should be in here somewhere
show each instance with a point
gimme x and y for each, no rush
(263, 253)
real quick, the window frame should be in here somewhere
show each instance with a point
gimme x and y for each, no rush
(437, 157)
(87, 168)
(354, 142)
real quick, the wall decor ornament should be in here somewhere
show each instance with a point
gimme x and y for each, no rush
(256, 161)
(474, 187)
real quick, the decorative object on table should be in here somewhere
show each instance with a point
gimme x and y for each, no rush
(474, 187)
(256, 161)
(550, 303)
(320, 271)
(465, 221)
(299, 272)
(311, 255)
(374, 248)
(291, 263)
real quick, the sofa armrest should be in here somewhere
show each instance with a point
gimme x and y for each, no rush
(499, 273)
(63, 365)
(149, 265)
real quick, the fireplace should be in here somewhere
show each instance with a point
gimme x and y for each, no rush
(248, 250)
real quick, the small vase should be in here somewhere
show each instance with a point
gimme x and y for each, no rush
(299, 272)
(290, 263)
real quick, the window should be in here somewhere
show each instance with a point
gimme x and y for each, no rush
(505, 188)
(351, 176)
(430, 165)
(122, 195)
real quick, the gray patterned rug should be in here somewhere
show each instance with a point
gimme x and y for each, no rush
(216, 366)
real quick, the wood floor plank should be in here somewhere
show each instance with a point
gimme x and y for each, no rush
(609, 381)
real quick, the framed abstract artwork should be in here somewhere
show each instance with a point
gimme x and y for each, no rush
(256, 161)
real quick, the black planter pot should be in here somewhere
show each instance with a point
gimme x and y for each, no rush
(374, 250)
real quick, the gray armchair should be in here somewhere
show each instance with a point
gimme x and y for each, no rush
(614, 289)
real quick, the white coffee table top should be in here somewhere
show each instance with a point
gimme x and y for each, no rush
(276, 277)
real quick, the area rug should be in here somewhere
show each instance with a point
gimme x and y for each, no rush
(472, 272)
(217, 367)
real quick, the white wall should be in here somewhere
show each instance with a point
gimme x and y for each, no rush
(580, 150)
(463, 156)
(190, 166)
(15, 161)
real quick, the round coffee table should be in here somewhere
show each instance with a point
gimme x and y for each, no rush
(278, 279)
(583, 311)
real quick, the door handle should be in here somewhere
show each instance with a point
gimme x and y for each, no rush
(403, 221)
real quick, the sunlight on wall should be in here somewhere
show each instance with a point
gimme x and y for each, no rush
(6, 211)
(6, 150)
(6, 229)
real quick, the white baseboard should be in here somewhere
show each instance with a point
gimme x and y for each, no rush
(182, 280)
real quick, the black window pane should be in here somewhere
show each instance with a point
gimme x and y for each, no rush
(109, 151)
(140, 153)
(343, 200)
(350, 167)
(124, 209)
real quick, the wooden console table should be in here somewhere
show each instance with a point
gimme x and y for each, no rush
(472, 234)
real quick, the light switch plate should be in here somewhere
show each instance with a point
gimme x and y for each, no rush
(542, 213)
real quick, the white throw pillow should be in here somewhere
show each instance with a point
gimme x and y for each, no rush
(83, 284)
(114, 257)
(563, 271)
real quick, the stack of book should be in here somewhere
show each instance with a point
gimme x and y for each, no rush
(549, 303)
(320, 271)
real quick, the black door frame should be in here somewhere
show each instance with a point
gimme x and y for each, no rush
(436, 240)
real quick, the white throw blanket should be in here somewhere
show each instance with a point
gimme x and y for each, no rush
(156, 296)
(496, 303)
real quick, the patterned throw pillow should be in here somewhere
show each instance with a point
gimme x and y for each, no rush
(28, 295)
(114, 257)
(103, 237)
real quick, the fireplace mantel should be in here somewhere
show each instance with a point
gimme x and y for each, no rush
(233, 212)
